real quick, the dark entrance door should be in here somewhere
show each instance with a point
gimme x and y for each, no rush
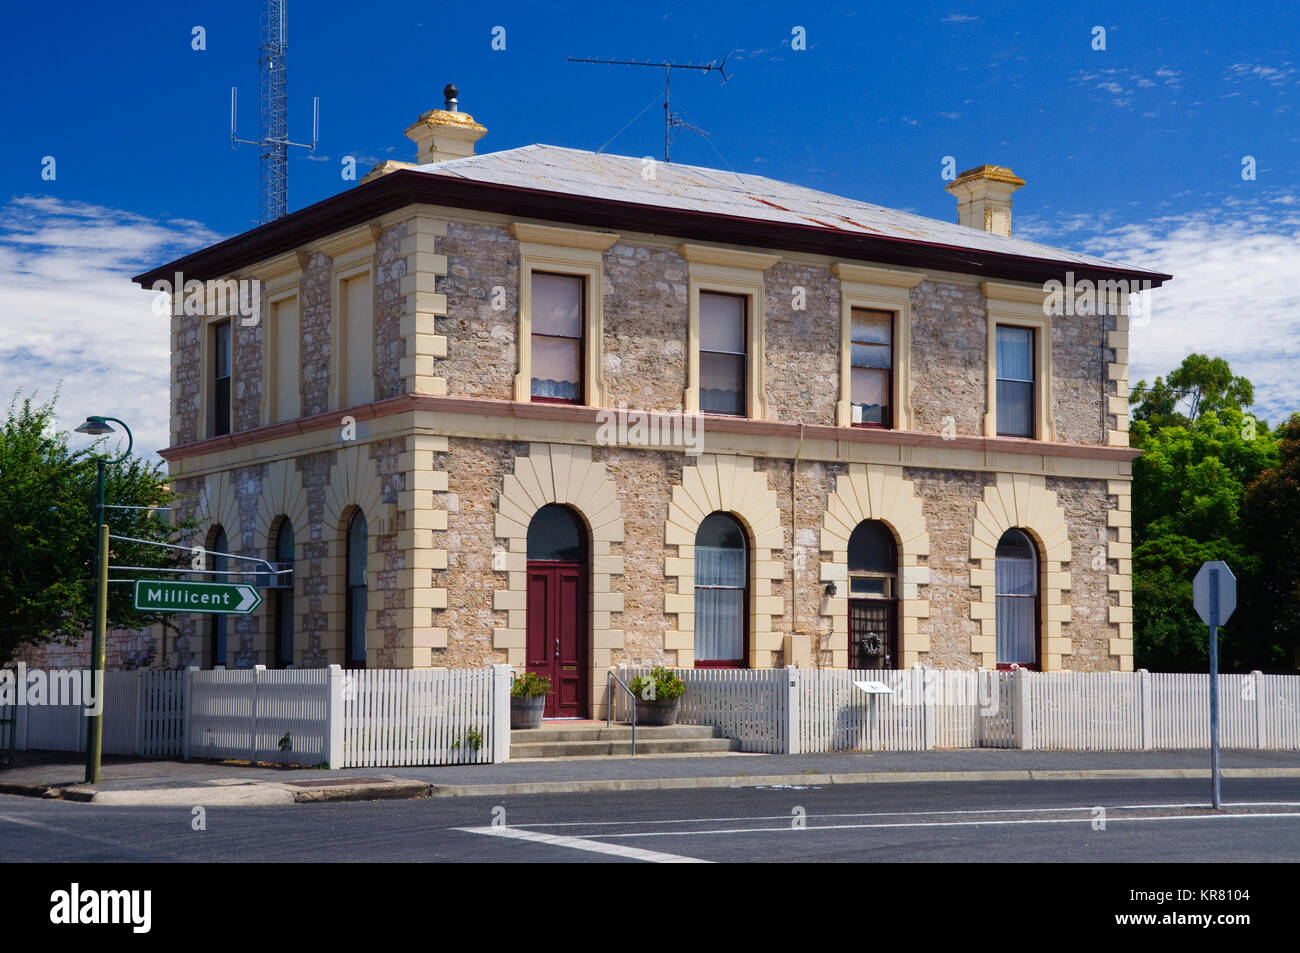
(872, 642)
(557, 635)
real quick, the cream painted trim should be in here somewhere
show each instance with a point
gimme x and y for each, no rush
(876, 493)
(1120, 582)
(276, 272)
(344, 246)
(1020, 306)
(218, 504)
(1022, 502)
(283, 495)
(354, 483)
(555, 473)
(418, 502)
(271, 345)
(421, 342)
(341, 347)
(885, 290)
(728, 484)
(729, 272)
(563, 237)
(1117, 371)
(566, 252)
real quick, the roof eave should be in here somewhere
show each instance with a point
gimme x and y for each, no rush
(407, 187)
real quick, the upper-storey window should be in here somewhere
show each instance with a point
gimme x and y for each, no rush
(558, 326)
(1015, 381)
(221, 363)
(872, 384)
(723, 354)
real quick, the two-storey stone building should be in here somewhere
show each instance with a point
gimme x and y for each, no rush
(565, 410)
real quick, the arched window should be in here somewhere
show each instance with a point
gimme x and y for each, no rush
(282, 620)
(217, 550)
(721, 593)
(355, 609)
(555, 535)
(873, 608)
(1016, 585)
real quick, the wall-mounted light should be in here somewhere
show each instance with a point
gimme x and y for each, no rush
(830, 589)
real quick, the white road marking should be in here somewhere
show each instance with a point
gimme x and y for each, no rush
(1005, 810)
(579, 843)
(785, 829)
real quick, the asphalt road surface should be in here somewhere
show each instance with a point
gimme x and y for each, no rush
(1074, 821)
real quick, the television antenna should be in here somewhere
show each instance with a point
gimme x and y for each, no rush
(671, 119)
(273, 67)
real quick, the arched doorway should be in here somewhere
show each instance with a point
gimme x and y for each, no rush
(557, 646)
(873, 605)
(1018, 608)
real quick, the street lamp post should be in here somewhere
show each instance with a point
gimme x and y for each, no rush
(98, 426)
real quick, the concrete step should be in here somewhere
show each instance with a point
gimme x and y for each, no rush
(601, 733)
(583, 749)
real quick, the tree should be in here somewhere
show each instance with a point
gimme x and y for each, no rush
(1271, 519)
(1188, 488)
(47, 532)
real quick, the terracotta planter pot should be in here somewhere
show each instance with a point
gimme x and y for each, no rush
(527, 712)
(657, 712)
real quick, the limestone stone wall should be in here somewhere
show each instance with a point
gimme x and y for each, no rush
(314, 321)
(390, 307)
(802, 349)
(1079, 384)
(949, 356)
(1086, 506)
(482, 357)
(645, 327)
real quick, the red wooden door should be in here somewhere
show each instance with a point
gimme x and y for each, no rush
(557, 635)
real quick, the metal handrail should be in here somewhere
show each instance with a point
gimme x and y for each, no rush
(609, 704)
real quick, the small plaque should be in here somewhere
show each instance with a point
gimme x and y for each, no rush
(874, 688)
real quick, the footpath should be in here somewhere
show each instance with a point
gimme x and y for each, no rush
(139, 782)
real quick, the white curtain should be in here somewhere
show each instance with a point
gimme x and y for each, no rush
(719, 612)
(1016, 581)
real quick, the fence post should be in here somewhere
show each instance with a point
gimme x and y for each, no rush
(334, 718)
(187, 710)
(252, 741)
(1022, 716)
(141, 693)
(793, 742)
(922, 696)
(1260, 721)
(1146, 710)
(501, 713)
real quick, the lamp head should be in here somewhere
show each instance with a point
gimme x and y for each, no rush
(95, 426)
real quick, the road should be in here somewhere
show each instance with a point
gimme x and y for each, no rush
(1143, 820)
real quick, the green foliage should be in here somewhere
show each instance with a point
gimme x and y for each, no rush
(667, 686)
(286, 742)
(474, 738)
(47, 521)
(530, 685)
(1189, 487)
(1271, 523)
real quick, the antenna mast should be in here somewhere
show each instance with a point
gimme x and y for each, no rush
(274, 71)
(671, 119)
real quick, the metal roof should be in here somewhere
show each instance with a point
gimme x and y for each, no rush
(695, 188)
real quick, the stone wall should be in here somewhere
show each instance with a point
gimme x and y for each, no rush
(645, 328)
(482, 357)
(802, 347)
(949, 356)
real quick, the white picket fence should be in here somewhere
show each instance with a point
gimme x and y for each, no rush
(407, 717)
(142, 716)
(293, 716)
(819, 710)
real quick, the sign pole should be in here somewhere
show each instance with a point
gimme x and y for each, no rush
(1214, 687)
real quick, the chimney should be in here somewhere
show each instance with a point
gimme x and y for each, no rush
(447, 133)
(984, 197)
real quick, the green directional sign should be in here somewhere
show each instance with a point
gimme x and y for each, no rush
(165, 595)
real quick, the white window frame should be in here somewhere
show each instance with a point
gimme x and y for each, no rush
(877, 289)
(1020, 306)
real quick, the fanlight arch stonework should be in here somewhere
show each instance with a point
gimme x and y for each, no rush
(566, 475)
(1021, 501)
(282, 496)
(727, 484)
(873, 492)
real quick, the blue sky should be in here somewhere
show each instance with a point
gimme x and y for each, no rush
(1134, 151)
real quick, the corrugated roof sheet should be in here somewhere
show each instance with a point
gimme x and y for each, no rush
(695, 188)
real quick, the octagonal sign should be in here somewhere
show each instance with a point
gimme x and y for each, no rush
(1227, 586)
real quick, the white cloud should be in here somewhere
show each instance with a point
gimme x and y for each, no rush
(1234, 293)
(73, 319)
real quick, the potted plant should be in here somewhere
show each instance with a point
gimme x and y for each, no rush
(658, 696)
(528, 699)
